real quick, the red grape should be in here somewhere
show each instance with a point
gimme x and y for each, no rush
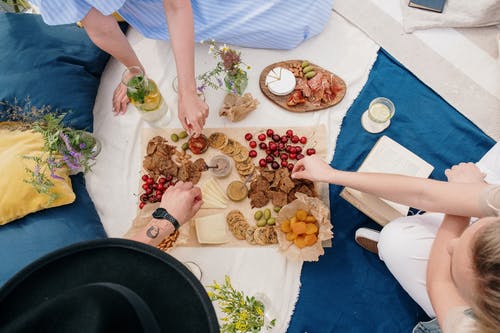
(262, 137)
(289, 133)
(290, 166)
(273, 146)
(145, 186)
(150, 181)
(292, 156)
(311, 151)
(284, 139)
(276, 138)
(144, 177)
(168, 178)
(303, 140)
(269, 132)
(269, 158)
(300, 156)
(248, 136)
(162, 180)
(284, 163)
(262, 162)
(252, 144)
(295, 139)
(275, 165)
(284, 156)
(252, 153)
(263, 145)
(141, 205)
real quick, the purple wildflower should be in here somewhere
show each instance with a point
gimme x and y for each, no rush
(219, 82)
(82, 145)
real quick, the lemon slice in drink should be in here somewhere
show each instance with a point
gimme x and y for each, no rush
(152, 102)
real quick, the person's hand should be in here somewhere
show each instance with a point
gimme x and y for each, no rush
(465, 173)
(312, 168)
(182, 201)
(120, 99)
(192, 113)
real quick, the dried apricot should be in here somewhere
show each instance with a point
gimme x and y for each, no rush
(291, 236)
(311, 228)
(285, 226)
(301, 215)
(310, 218)
(298, 227)
(310, 239)
(300, 242)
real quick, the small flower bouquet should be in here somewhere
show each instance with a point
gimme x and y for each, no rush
(65, 148)
(229, 64)
(243, 313)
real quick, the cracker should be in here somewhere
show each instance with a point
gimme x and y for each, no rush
(228, 149)
(249, 235)
(218, 140)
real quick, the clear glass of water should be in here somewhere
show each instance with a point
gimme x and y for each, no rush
(378, 116)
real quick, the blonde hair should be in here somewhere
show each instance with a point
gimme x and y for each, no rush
(486, 264)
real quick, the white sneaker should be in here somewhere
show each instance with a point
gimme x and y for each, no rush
(367, 239)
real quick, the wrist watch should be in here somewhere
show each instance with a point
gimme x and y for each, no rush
(161, 213)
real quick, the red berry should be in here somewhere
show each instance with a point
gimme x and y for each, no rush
(160, 187)
(155, 186)
(158, 196)
(248, 136)
(295, 139)
(290, 166)
(276, 138)
(144, 197)
(276, 153)
(269, 132)
(292, 150)
(269, 158)
(300, 156)
(298, 149)
(268, 151)
(162, 180)
(303, 140)
(281, 146)
(152, 199)
(252, 144)
(284, 156)
(149, 191)
(284, 139)
(262, 162)
(273, 146)
(275, 165)
(292, 156)
(261, 137)
(289, 133)
(150, 181)
(288, 148)
(141, 205)
(252, 153)
(145, 177)
(168, 178)
(284, 163)
(263, 145)
(311, 151)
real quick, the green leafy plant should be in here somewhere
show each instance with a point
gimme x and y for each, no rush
(242, 313)
(230, 65)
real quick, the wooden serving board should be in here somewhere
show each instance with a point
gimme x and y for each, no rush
(187, 237)
(307, 106)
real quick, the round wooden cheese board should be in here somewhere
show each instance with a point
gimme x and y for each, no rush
(337, 92)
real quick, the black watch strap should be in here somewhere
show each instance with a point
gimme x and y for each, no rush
(162, 213)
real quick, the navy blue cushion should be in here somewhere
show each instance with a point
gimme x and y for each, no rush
(57, 66)
(27, 239)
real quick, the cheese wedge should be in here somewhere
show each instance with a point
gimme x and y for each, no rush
(280, 81)
(213, 187)
(211, 203)
(211, 229)
(214, 199)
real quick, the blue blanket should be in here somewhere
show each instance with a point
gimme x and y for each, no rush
(350, 289)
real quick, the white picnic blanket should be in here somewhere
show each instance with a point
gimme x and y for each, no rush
(456, 14)
(340, 48)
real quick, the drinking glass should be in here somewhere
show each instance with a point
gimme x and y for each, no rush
(175, 87)
(492, 199)
(144, 94)
(378, 116)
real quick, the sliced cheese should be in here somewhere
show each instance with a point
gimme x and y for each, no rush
(212, 186)
(213, 198)
(211, 203)
(280, 81)
(211, 229)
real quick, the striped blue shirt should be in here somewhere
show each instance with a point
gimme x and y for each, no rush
(273, 24)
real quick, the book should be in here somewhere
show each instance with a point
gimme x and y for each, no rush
(386, 156)
(432, 5)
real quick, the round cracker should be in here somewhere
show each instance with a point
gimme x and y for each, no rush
(239, 229)
(245, 165)
(228, 149)
(241, 156)
(259, 236)
(218, 140)
(249, 235)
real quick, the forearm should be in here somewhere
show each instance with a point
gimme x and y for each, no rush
(442, 291)
(181, 27)
(154, 232)
(422, 193)
(105, 32)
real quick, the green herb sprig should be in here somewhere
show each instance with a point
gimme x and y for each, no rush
(242, 313)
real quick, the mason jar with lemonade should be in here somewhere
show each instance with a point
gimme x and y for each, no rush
(144, 94)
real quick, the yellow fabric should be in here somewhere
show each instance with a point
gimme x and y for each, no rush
(18, 198)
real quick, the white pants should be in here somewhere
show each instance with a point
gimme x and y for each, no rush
(404, 246)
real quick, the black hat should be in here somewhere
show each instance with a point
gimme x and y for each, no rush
(110, 285)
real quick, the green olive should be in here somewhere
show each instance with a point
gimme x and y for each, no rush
(261, 223)
(271, 221)
(183, 134)
(174, 137)
(185, 146)
(258, 215)
(305, 63)
(277, 209)
(310, 75)
(267, 214)
(308, 69)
